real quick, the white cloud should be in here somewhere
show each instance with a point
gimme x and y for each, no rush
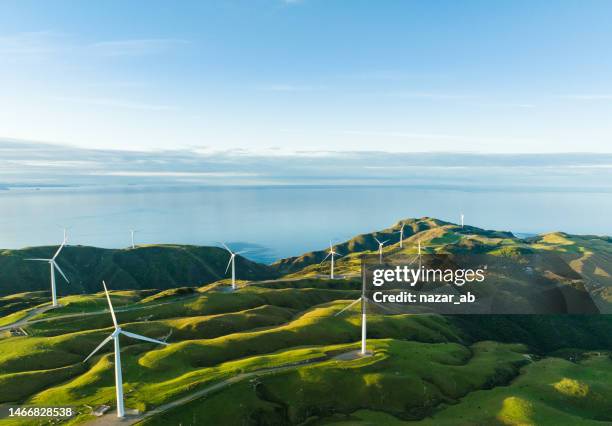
(403, 135)
(432, 96)
(31, 45)
(288, 88)
(127, 173)
(43, 44)
(135, 47)
(393, 75)
(590, 97)
(117, 103)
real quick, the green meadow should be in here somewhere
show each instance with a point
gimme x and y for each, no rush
(275, 352)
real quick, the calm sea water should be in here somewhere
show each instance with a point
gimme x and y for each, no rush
(275, 222)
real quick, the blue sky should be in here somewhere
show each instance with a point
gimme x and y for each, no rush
(311, 75)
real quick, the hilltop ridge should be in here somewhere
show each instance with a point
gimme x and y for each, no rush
(166, 266)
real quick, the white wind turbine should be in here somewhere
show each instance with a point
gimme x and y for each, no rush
(331, 253)
(115, 338)
(132, 232)
(462, 217)
(419, 255)
(53, 266)
(364, 319)
(232, 262)
(380, 248)
(401, 232)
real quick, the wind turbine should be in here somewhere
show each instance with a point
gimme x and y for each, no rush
(53, 265)
(65, 230)
(401, 232)
(462, 217)
(380, 248)
(419, 251)
(232, 262)
(115, 338)
(331, 253)
(364, 319)
(132, 232)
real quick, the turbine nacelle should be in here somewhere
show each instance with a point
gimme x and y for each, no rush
(381, 243)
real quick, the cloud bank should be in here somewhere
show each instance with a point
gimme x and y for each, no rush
(34, 164)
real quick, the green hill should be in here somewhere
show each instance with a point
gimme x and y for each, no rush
(145, 267)
(424, 229)
(276, 352)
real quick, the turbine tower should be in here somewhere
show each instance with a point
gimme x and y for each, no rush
(53, 266)
(115, 338)
(364, 319)
(401, 232)
(331, 253)
(380, 248)
(132, 232)
(232, 262)
(462, 217)
(419, 254)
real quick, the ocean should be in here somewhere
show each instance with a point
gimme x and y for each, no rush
(272, 222)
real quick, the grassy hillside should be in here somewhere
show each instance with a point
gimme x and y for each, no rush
(216, 335)
(426, 229)
(275, 351)
(416, 378)
(145, 267)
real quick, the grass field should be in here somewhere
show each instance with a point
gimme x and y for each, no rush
(284, 351)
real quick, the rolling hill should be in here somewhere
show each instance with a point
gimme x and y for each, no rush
(280, 346)
(145, 267)
(425, 229)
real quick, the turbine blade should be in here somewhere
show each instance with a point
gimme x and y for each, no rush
(41, 260)
(104, 342)
(387, 308)
(377, 240)
(146, 339)
(110, 305)
(60, 271)
(329, 254)
(352, 303)
(58, 250)
(229, 263)
(384, 242)
(227, 248)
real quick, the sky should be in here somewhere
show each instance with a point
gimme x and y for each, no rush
(279, 77)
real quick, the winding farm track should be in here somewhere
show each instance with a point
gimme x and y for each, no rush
(110, 418)
(25, 321)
